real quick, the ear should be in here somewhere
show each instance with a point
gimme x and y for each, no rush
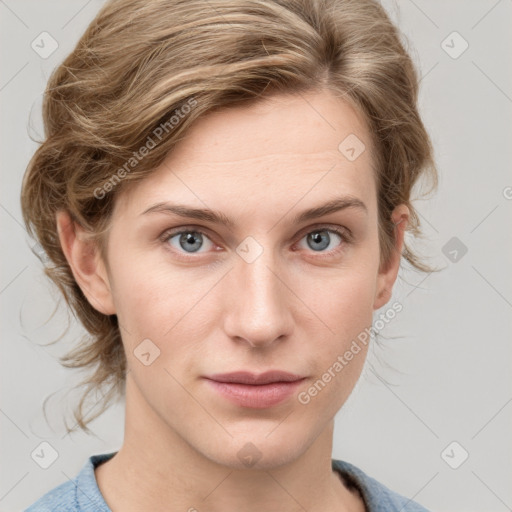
(387, 276)
(86, 264)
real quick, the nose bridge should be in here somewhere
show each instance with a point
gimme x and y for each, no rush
(260, 285)
(259, 309)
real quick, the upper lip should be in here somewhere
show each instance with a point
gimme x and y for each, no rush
(243, 377)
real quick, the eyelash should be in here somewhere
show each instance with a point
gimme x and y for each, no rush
(344, 233)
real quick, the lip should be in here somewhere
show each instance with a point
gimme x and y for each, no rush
(255, 391)
(243, 377)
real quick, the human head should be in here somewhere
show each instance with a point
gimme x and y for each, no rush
(154, 69)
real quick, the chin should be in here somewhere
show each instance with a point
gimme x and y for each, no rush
(260, 452)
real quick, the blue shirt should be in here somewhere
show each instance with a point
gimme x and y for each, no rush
(83, 495)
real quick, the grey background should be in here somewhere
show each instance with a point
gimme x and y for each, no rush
(444, 372)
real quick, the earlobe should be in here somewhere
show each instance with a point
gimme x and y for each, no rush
(387, 276)
(86, 264)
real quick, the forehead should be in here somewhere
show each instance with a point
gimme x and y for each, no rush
(280, 149)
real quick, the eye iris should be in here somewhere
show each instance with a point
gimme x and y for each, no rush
(187, 241)
(316, 237)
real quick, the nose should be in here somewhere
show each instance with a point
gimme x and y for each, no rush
(258, 311)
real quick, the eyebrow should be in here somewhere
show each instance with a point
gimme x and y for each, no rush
(216, 217)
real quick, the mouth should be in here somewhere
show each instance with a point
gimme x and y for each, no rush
(256, 391)
(243, 377)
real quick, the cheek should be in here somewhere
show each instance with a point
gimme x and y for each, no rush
(143, 286)
(345, 305)
(343, 299)
(141, 306)
(166, 305)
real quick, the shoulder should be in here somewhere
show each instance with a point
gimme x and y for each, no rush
(62, 497)
(81, 494)
(377, 497)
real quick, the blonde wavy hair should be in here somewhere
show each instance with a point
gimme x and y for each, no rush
(146, 68)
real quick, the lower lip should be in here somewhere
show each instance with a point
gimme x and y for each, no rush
(256, 397)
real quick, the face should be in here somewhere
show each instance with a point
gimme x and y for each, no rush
(269, 291)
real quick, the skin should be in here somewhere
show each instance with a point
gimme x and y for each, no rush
(296, 307)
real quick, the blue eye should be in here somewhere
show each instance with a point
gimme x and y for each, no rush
(321, 239)
(191, 240)
(188, 240)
